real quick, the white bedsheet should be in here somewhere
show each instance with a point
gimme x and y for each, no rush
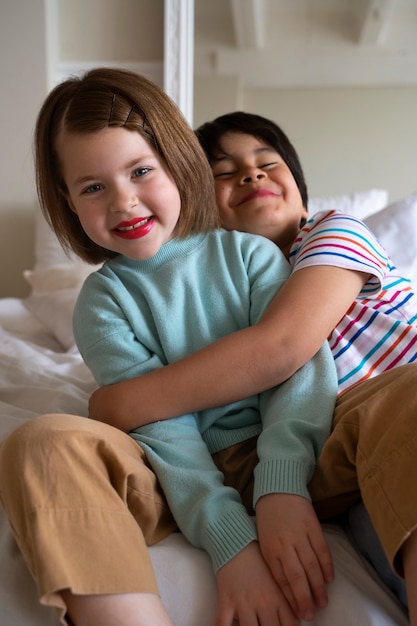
(37, 377)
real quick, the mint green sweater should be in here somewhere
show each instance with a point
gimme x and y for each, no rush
(135, 316)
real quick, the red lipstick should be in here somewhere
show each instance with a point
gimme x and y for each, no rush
(134, 229)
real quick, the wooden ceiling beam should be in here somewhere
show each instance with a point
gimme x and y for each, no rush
(373, 20)
(248, 19)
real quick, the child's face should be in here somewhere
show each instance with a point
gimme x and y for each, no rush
(256, 191)
(123, 195)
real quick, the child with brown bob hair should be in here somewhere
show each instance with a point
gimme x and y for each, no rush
(122, 180)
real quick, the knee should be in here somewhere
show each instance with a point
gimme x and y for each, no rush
(30, 442)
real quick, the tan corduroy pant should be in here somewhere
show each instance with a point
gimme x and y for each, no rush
(84, 504)
(372, 453)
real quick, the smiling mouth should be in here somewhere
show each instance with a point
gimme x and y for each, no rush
(259, 193)
(132, 226)
(135, 229)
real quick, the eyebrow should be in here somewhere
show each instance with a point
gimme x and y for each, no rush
(128, 166)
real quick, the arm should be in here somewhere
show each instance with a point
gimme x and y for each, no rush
(296, 419)
(260, 357)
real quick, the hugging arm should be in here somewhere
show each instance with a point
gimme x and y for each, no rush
(296, 418)
(247, 362)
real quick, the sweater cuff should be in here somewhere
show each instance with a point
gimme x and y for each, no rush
(281, 476)
(228, 535)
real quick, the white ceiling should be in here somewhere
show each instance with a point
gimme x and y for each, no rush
(293, 43)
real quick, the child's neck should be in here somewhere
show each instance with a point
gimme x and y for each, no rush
(285, 243)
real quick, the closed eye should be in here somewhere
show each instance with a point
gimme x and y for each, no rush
(266, 165)
(261, 166)
(223, 174)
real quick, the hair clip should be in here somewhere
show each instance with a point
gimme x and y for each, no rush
(112, 107)
(129, 114)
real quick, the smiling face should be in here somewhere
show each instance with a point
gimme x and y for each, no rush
(123, 195)
(256, 191)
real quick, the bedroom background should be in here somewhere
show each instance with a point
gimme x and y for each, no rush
(340, 76)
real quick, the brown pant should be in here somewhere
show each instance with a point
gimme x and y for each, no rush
(84, 504)
(372, 453)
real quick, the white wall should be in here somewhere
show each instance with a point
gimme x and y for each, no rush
(85, 31)
(23, 86)
(348, 139)
(111, 30)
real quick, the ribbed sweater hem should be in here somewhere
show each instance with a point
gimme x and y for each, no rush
(281, 476)
(228, 535)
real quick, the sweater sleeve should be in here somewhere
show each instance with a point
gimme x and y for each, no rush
(209, 513)
(296, 421)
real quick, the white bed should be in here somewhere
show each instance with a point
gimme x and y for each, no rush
(41, 371)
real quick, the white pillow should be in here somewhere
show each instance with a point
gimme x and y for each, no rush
(396, 229)
(48, 250)
(54, 310)
(360, 204)
(56, 280)
(56, 277)
(54, 293)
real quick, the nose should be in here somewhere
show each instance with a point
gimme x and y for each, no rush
(123, 199)
(253, 174)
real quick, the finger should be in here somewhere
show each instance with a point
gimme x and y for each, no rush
(271, 609)
(315, 580)
(318, 566)
(293, 582)
(225, 617)
(322, 551)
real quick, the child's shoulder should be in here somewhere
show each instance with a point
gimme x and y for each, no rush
(332, 216)
(323, 222)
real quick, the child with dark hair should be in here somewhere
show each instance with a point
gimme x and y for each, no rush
(343, 287)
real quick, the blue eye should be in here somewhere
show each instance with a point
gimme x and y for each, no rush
(140, 171)
(92, 188)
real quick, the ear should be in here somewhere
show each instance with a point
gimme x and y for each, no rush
(68, 200)
(71, 205)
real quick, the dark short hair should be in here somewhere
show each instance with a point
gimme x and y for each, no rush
(209, 135)
(106, 97)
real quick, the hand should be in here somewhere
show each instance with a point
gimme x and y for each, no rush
(248, 594)
(292, 543)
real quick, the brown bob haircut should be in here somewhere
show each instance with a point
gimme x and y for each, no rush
(103, 98)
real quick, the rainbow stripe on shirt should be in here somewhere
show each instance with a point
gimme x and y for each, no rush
(379, 331)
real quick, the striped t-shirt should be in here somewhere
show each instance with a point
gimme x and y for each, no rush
(379, 331)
